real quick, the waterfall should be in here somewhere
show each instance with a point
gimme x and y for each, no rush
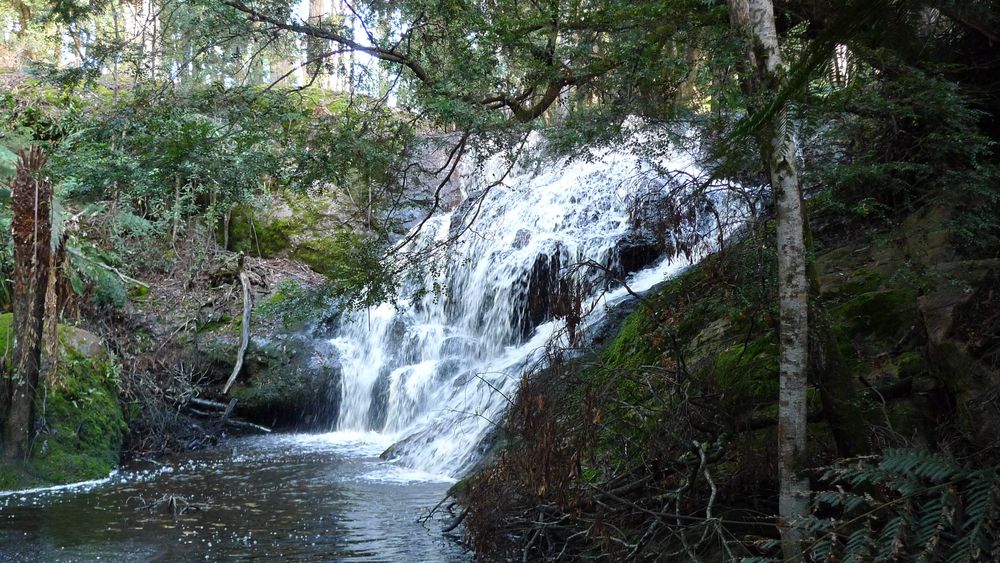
(437, 370)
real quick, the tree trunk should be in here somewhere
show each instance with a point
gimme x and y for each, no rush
(755, 20)
(177, 208)
(53, 306)
(282, 69)
(314, 45)
(31, 199)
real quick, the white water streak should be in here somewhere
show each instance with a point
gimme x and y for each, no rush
(444, 367)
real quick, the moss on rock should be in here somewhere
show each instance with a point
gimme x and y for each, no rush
(877, 319)
(294, 222)
(80, 425)
(289, 383)
(628, 349)
(750, 373)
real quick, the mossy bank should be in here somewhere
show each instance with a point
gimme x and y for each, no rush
(80, 424)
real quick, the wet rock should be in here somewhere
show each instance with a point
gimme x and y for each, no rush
(291, 382)
(543, 290)
(522, 238)
(634, 253)
(377, 410)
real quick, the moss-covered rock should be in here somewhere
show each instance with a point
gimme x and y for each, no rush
(80, 424)
(889, 374)
(81, 421)
(628, 349)
(873, 322)
(306, 227)
(749, 373)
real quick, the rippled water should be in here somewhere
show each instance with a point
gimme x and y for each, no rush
(320, 497)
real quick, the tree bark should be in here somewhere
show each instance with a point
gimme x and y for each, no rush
(315, 45)
(54, 303)
(31, 199)
(755, 20)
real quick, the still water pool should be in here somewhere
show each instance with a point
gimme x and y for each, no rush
(306, 497)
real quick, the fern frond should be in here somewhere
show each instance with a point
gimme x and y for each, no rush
(909, 505)
(892, 539)
(860, 543)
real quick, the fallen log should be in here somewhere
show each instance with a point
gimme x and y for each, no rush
(208, 403)
(229, 410)
(232, 421)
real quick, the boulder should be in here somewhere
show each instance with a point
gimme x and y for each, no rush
(290, 382)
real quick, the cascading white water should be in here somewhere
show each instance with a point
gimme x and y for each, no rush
(437, 373)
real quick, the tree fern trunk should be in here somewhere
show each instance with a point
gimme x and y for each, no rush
(53, 305)
(755, 20)
(31, 199)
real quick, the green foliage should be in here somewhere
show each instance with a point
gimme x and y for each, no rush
(8, 165)
(896, 139)
(89, 274)
(209, 153)
(295, 305)
(6, 339)
(906, 505)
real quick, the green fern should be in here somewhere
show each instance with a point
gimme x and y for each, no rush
(907, 505)
(89, 271)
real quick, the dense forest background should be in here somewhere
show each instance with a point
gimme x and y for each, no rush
(192, 142)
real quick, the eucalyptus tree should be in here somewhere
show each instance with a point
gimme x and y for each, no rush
(755, 20)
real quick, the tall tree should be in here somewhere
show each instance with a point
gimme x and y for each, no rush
(754, 19)
(31, 201)
(315, 46)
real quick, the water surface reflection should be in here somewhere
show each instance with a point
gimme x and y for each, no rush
(294, 497)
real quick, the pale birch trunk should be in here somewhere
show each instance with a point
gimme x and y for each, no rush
(755, 19)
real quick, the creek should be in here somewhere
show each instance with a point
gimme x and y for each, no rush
(293, 497)
(427, 378)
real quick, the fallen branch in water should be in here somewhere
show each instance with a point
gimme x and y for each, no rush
(455, 523)
(175, 504)
(232, 421)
